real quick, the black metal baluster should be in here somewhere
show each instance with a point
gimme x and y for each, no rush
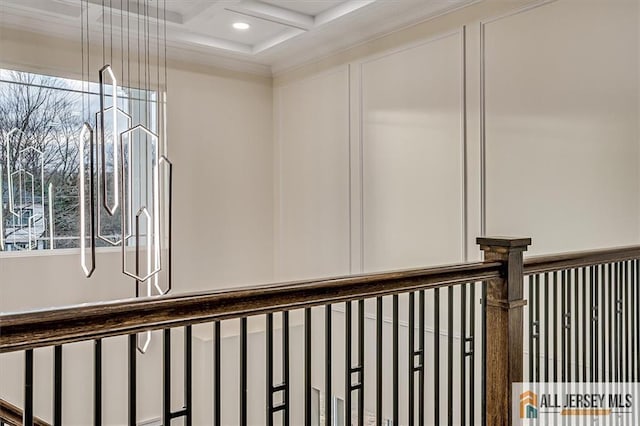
(620, 318)
(627, 335)
(166, 377)
(592, 318)
(483, 340)
(307, 366)
(631, 331)
(347, 362)
(216, 371)
(570, 322)
(593, 335)
(546, 327)
(616, 325)
(602, 313)
(379, 361)
(598, 319)
(584, 324)
(188, 376)
(396, 408)
(602, 320)
(243, 371)
(450, 357)
(463, 354)
(361, 363)
(612, 309)
(132, 379)
(436, 356)
(537, 327)
(285, 367)
(27, 418)
(97, 382)
(187, 411)
(575, 322)
(621, 324)
(471, 353)
(555, 326)
(636, 282)
(421, 358)
(327, 356)
(269, 360)
(569, 325)
(57, 385)
(531, 307)
(624, 324)
(564, 348)
(411, 362)
(628, 268)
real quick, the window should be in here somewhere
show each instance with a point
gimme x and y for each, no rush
(40, 122)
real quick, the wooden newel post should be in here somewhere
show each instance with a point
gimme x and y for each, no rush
(504, 325)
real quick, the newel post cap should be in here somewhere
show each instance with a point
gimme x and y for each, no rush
(521, 243)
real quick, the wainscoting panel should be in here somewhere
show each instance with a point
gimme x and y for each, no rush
(561, 124)
(413, 155)
(312, 172)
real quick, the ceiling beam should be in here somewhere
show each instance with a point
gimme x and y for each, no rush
(204, 8)
(269, 12)
(207, 41)
(274, 41)
(341, 10)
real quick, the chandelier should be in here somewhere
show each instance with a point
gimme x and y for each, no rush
(125, 177)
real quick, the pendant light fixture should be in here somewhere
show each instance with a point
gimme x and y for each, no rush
(125, 176)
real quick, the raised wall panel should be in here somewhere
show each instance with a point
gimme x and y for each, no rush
(312, 119)
(220, 139)
(413, 156)
(561, 118)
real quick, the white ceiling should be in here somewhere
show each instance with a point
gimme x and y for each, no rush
(283, 33)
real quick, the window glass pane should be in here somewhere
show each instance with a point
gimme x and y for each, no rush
(40, 122)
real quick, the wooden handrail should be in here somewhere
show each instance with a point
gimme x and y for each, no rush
(28, 330)
(39, 328)
(541, 264)
(12, 415)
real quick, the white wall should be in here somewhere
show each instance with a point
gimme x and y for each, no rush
(312, 180)
(561, 125)
(220, 142)
(521, 121)
(413, 155)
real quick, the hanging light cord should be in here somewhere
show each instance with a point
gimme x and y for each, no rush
(82, 51)
(103, 43)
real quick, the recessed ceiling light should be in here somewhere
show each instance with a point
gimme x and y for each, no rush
(241, 26)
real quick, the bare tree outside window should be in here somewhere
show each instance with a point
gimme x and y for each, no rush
(48, 114)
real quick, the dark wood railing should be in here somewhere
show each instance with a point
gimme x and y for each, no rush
(579, 259)
(10, 415)
(503, 282)
(33, 329)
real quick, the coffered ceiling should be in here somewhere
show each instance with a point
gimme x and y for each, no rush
(281, 33)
